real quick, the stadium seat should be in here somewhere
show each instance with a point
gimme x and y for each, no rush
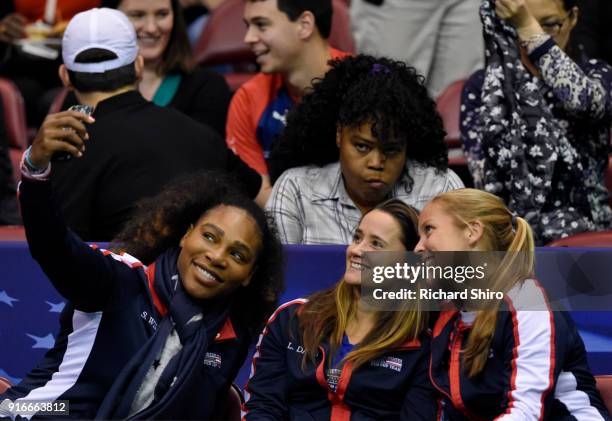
(449, 107)
(230, 409)
(56, 105)
(341, 36)
(222, 40)
(4, 384)
(601, 239)
(604, 385)
(15, 121)
(12, 233)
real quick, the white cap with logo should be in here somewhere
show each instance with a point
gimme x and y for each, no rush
(103, 28)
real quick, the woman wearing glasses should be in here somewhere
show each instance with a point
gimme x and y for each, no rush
(535, 123)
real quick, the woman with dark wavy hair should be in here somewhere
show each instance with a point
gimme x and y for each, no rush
(161, 341)
(367, 132)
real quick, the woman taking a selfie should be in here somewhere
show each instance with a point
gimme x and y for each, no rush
(160, 332)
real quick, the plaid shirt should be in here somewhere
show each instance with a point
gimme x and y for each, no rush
(311, 206)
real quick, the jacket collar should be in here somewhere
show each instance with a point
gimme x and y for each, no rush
(118, 102)
(227, 332)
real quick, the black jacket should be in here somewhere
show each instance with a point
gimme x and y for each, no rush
(536, 368)
(135, 148)
(202, 95)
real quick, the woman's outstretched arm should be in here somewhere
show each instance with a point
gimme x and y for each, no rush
(82, 274)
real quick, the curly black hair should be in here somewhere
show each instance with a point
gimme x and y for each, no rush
(356, 90)
(160, 222)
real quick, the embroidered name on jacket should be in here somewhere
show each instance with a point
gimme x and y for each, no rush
(392, 363)
(333, 377)
(149, 319)
(212, 360)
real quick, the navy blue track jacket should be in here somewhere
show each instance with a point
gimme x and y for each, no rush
(537, 367)
(391, 387)
(109, 316)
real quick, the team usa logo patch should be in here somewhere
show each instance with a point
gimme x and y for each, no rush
(212, 360)
(392, 363)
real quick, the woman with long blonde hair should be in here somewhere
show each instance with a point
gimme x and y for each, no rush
(516, 359)
(333, 357)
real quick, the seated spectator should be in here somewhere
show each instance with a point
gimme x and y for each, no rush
(440, 38)
(170, 76)
(136, 147)
(137, 341)
(9, 214)
(367, 132)
(35, 76)
(289, 40)
(535, 124)
(196, 14)
(516, 359)
(592, 33)
(319, 359)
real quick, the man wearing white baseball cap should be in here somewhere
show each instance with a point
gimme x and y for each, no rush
(106, 29)
(133, 147)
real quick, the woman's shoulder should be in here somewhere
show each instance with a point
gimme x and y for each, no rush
(528, 295)
(431, 179)
(200, 75)
(473, 86)
(200, 81)
(285, 311)
(125, 258)
(289, 307)
(476, 78)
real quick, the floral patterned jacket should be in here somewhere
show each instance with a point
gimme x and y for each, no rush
(540, 143)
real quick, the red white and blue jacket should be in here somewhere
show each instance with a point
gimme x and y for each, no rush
(112, 311)
(391, 387)
(537, 367)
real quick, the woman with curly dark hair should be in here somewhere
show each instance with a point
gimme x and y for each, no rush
(161, 341)
(367, 132)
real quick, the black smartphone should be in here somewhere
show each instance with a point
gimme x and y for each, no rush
(85, 109)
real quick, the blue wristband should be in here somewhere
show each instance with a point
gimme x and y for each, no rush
(31, 167)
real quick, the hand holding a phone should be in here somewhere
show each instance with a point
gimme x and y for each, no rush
(63, 132)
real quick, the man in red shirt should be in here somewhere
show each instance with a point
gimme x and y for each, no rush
(289, 40)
